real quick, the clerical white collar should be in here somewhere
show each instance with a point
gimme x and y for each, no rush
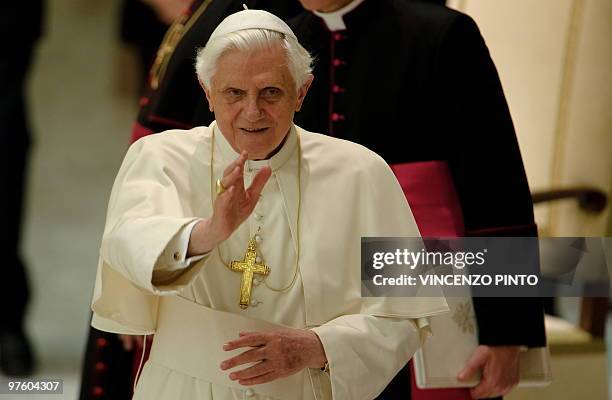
(228, 154)
(335, 19)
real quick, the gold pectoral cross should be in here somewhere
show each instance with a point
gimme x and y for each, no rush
(248, 267)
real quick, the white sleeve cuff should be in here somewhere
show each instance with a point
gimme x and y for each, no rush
(365, 352)
(176, 251)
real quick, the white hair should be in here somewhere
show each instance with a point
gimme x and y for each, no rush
(299, 61)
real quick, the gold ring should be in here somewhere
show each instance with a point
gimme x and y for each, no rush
(220, 187)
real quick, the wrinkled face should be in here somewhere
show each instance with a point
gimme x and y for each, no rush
(324, 5)
(254, 97)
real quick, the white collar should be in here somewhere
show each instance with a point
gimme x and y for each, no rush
(334, 20)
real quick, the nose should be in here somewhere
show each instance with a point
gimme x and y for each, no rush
(252, 110)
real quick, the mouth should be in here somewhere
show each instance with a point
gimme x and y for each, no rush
(253, 130)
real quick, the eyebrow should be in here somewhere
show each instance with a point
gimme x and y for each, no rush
(276, 84)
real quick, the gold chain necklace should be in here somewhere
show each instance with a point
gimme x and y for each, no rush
(297, 256)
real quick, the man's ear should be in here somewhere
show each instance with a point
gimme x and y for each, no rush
(302, 91)
(207, 93)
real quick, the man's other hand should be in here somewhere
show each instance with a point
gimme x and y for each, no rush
(277, 354)
(500, 370)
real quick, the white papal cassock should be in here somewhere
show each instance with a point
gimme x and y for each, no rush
(347, 192)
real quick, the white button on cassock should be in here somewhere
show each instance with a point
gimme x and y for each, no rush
(258, 238)
(249, 392)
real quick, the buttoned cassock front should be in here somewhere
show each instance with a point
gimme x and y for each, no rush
(347, 191)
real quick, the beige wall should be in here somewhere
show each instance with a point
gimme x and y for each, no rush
(555, 62)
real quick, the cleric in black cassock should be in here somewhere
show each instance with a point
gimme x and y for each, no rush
(415, 82)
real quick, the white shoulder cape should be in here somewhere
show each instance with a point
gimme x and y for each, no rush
(164, 184)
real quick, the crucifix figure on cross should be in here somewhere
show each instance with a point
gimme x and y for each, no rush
(248, 266)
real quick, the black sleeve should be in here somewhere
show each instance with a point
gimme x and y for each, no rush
(488, 171)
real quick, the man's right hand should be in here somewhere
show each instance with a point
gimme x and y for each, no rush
(500, 370)
(230, 208)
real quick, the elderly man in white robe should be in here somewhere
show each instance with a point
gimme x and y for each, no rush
(238, 245)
